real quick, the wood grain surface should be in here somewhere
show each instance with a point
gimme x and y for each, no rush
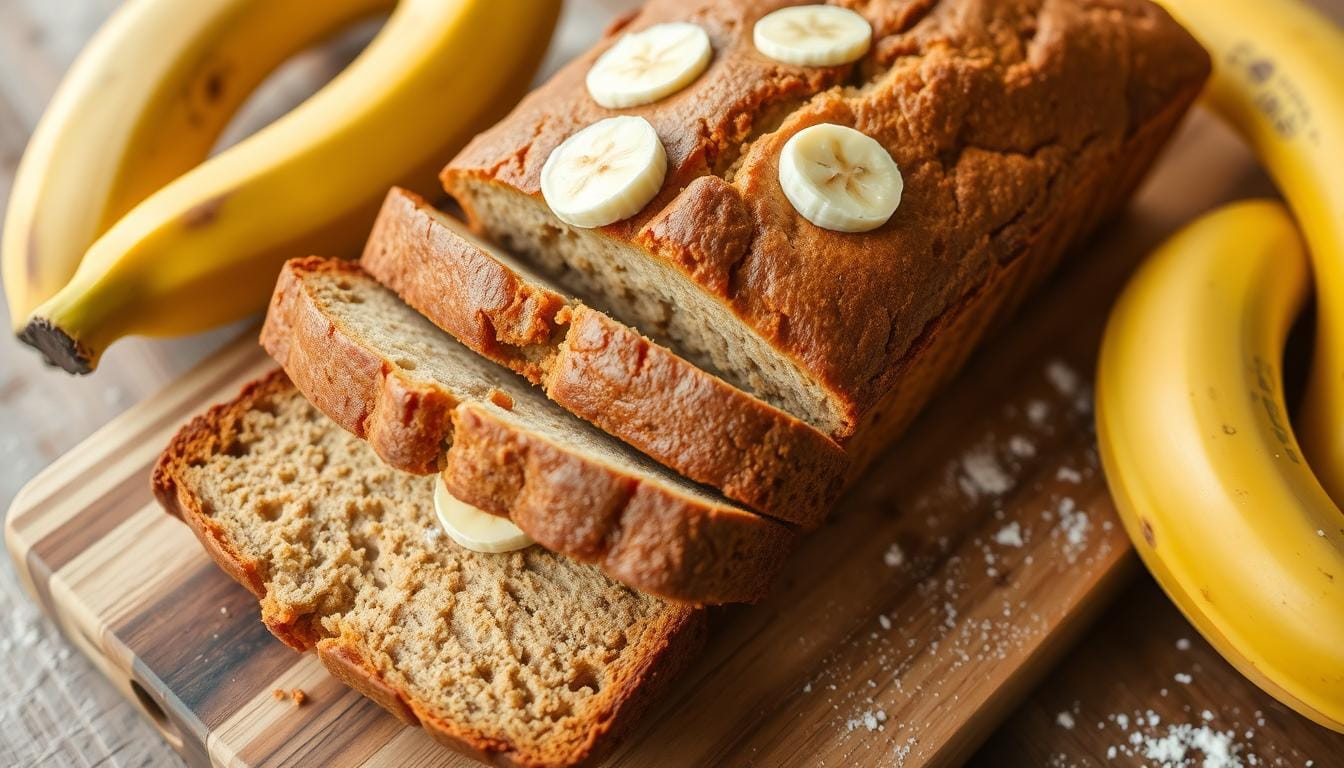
(904, 632)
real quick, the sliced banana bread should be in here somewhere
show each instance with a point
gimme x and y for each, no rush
(425, 402)
(603, 370)
(526, 658)
(1017, 126)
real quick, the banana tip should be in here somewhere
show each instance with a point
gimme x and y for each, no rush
(57, 347)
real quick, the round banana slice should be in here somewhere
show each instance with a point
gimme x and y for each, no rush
(813, 35)
(473, 529)
(645, 66)
(839, 178)
(605, 172)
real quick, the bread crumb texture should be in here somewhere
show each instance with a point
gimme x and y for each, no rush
(525, 653)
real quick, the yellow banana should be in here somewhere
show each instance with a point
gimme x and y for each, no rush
(205, 249)
(1202, 461)
(144, 101)
(1277, 80)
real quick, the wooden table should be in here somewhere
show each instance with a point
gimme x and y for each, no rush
(57, 710)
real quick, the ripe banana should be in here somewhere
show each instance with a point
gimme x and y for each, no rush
(1202, 462)
(144, 102)
(1277, 81)
(204, 250)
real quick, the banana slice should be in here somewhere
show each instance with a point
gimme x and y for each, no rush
(645, 66)
(813, 35)
(473, 529)
(839, 178)
(605, 172)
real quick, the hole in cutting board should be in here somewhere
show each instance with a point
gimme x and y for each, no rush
(151, 707)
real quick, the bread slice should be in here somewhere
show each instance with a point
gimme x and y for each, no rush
(526, 658)
(424, 401)
(1017, 127)
(602, 370)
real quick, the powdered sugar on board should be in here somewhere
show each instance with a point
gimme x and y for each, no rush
(980, 533)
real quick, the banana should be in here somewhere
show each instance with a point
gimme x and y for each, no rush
(1277, 81)
(643, 67)
(204, 250)
(144, 102)
(813, 35)
(839, 178)
(475, 529)
(605, 172)
(1202, 462)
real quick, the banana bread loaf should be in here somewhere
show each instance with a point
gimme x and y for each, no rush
(1017, 125)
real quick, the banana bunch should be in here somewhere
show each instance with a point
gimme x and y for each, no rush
(1234, 519)
(119, 224)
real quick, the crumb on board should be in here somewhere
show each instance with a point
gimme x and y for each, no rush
(280, 694)
(299, 697)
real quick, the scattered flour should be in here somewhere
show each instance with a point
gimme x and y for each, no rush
(1021, 447)
(983, 474)
(1219, 748)
(1068, 475)
(894, 557)
(1183, 678)
(1038, 412)
(1062, 377)
(1182, 643)
(1065, 720)
(1074, 525)
(1009, 535)
(872, 720)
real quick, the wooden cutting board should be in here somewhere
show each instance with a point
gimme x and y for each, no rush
(956, 573)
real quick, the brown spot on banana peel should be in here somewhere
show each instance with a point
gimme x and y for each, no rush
(1148, 535)
(204, 213)
(58, 348)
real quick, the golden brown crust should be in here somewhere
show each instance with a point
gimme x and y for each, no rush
(737, 553)
(639, 533)
(670, 645)
(604, 371)
(344, 660)
(1000, 113)
(369, 396)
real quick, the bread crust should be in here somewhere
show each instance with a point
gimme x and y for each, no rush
(640, 534)
(673, 643)
(604, 371)
(998, 113)
(401, 417)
